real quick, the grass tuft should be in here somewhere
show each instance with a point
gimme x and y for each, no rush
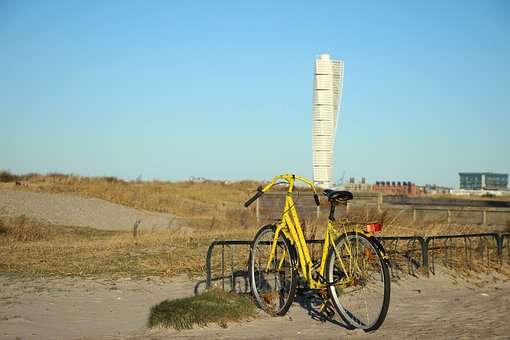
(214, 306)
(20, 229)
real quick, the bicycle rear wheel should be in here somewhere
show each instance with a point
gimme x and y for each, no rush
(362, 302)
(273, 289)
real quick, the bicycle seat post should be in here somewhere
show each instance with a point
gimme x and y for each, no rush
(336, 197)
(332, 212)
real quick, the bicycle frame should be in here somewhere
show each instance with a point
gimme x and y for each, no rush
(290, 226)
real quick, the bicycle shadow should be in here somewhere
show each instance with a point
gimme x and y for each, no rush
(310, 301)
(237, 282)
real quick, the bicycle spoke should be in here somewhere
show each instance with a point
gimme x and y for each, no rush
(273, 283)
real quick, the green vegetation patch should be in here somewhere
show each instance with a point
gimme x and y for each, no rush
(214, 306)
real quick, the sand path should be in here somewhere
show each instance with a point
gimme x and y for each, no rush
(424, 308)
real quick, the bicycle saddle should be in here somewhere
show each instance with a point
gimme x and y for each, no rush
(338, 195)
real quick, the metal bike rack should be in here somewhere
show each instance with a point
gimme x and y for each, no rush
(448, 245)
(409, 253)
(227, 244)
(224, 244)
(391, 244)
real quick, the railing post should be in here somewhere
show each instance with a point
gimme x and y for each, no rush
(424, 253)
(208, 265)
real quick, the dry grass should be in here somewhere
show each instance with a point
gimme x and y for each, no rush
(20, 229)
(72, 251)
(215, 209)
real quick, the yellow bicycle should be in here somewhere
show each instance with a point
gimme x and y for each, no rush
(352, 272)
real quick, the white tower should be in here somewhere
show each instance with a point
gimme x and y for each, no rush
(327, 95)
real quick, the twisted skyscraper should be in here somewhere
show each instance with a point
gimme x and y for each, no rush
(327, 95)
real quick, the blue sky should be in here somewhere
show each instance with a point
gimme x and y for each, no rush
(223, 89)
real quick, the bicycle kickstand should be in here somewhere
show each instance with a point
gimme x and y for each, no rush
(326, 306)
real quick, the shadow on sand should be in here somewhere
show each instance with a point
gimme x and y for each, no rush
(239, 282)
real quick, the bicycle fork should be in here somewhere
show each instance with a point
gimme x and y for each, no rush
(273, 252)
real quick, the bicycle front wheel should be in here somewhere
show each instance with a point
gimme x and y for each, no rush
(363, 297)
(273, 284)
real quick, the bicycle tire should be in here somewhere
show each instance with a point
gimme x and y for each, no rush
(364, 302)
(274, 290)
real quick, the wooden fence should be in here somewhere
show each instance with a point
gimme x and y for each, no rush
(269, 207)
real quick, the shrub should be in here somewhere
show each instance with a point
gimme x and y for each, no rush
(214, 306)
(7, 176)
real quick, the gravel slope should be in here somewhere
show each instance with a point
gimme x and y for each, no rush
(58, 209)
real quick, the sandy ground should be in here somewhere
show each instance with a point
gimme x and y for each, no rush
(76, 308)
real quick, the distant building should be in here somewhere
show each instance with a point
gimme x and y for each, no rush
(197, 179)
(327, 94)
(434, 189)
(357, 186)
(482, 181)
(395, 187)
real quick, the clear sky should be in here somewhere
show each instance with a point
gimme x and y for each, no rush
(223, 89)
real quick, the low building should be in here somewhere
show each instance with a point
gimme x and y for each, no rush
(433, 189)
(395, 187)
(482, 181)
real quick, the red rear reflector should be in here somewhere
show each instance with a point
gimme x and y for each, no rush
(374, 227)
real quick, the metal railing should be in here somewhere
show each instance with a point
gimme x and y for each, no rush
(412, 252)
(392, 247)
(228, 245)
(449, 245)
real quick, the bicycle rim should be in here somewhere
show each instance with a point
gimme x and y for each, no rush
(362, 302)
(273, 289)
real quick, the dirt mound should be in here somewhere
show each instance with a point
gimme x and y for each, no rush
(69, 210)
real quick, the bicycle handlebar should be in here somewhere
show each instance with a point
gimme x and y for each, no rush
(316, 197)
(290, 179)
(255, 197)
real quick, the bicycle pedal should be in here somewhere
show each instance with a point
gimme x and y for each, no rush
(328, 310)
